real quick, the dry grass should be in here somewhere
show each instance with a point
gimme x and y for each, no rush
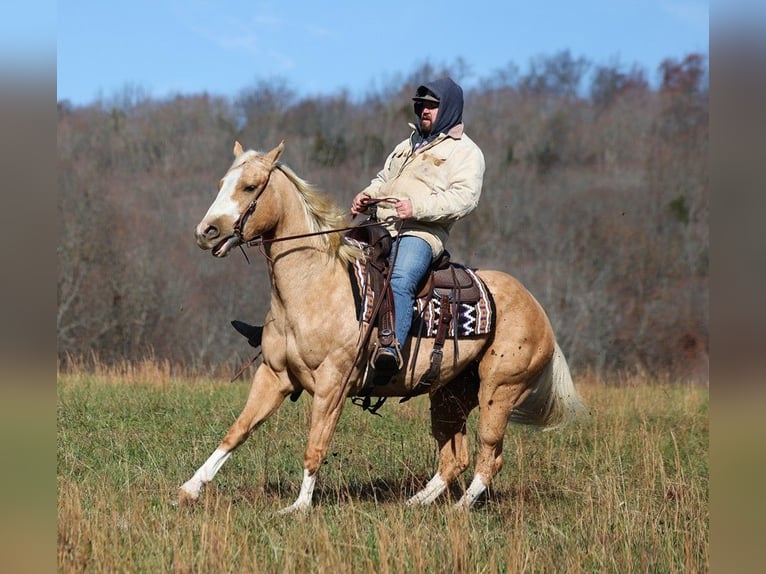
(625, 490)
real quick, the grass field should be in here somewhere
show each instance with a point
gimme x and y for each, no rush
(625, 490)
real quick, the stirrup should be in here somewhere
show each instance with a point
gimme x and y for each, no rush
(386, 359)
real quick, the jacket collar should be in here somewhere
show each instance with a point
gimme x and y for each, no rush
(455, 132)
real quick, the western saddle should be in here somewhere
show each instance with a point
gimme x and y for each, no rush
(446, 281)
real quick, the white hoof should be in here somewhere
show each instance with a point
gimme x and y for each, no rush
(187, 496)
(430, 492)
(303, 503)
(473, 492)
(189, 491)
(462, 505)
(294, 508)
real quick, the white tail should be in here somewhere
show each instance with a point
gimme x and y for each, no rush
(553, 401)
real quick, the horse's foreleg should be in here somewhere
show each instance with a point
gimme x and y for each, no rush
(325, 414)
(450, 407)
(266, 395)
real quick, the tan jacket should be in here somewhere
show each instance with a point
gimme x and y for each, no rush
(442, 179)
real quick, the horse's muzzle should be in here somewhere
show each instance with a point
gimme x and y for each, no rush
(205, 235)
(209, 237)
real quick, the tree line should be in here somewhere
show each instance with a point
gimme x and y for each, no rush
(595, 196)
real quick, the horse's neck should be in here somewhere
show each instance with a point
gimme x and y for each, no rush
(299, 266)
(302, 271)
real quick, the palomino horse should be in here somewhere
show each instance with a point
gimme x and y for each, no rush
(311, 335)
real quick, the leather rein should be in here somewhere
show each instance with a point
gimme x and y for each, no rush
(259, 240)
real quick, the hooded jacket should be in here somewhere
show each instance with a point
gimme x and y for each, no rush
(441, 174)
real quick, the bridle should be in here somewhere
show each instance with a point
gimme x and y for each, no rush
(243, 217)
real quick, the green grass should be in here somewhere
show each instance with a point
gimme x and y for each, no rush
(625, 490)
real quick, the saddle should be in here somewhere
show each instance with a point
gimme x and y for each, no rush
(451, 284)
(451, 280)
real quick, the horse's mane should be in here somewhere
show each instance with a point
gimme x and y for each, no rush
(322, 214)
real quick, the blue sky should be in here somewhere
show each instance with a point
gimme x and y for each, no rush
(321, 47)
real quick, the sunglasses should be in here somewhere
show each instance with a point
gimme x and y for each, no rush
(420, 104)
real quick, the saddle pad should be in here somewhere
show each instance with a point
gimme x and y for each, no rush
(473, 319)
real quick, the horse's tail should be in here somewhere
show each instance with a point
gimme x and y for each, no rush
(553, 400)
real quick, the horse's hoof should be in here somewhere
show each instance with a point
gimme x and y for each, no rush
(185, 499)
(294, 509)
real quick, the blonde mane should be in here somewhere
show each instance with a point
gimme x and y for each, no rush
(322, 215)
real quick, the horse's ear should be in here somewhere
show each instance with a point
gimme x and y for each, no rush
(238, 150)
(274, 154)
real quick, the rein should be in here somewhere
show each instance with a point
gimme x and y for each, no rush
(239, 224)
(260, 240)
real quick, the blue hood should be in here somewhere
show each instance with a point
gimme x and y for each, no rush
(450, 107)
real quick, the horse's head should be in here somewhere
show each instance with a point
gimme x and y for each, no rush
(242, 209)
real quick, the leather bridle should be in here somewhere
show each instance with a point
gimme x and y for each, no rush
(239, 225)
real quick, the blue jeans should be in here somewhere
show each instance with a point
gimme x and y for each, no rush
(411, 257)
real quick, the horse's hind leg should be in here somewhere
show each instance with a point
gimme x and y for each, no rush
(450, 407)
(496, 401)
(266, 395)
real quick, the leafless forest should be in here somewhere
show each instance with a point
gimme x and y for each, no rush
(595, 196)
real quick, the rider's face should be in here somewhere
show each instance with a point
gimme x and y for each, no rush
(428, 113)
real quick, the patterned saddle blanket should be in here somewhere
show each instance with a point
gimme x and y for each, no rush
(471, 317)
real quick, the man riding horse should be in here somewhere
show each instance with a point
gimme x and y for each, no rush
(435, 178)
(516, 371)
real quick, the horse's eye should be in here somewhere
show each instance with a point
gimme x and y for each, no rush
(250, 188)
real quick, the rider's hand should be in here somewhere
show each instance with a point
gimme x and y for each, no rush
(360, 203)
(403, 208)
